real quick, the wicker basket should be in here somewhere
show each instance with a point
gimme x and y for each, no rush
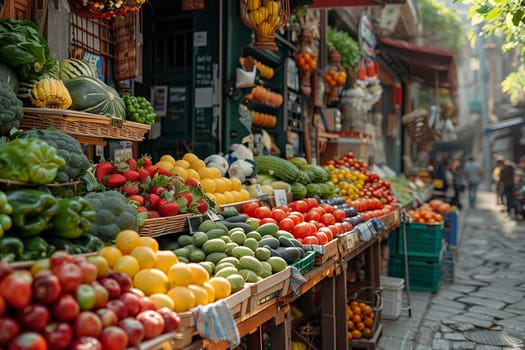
(75, 188)
(83, 124)
(165, 225)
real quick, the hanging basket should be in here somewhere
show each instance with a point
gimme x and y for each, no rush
(94, 9)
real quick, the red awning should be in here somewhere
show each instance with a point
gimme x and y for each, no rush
(350, 3)
(432, 66)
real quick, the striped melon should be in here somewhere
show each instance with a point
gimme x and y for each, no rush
(73, 67)
(92, 95)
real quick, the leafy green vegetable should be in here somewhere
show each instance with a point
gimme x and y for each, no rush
(347, 47)
(11, 111)
(139, 109)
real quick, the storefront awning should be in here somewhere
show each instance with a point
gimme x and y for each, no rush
(433, 67)
(509, 123)
(350, 3)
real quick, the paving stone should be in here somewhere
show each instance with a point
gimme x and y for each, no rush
(438, 316)
(506, 298)
(499, 289)
(438, 335)
(465, 345)
(433, 325)
(454, 336)
(458, 326)
(445, 329)
(520, 305)
(487, 347)
(448, 303)
(512, 323)
(451, 295)
(479, 316)
(461, 289)
(482, 302)
(440, 344)
(500, 314)
(445, 309)
(472, 321)
(423, 347)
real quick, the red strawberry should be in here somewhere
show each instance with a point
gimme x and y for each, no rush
(132, 162)
(143, 176)
(103, 169)
(165, 172)
(187, 196)
(158, 190)
(120, 167)
(191, 182)
(168, 208)
(131, 175)
(153, 214)
(137, 198)
(116, 180)
(144, 161)
(152, 170)
(130, 189)
(151, 201)
(202, 206)
(140, 208)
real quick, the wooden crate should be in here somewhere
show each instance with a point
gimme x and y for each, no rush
(265, 292)
(17, 9)
(325, 252)
(348, 242)
(238, 303)
(342, 145)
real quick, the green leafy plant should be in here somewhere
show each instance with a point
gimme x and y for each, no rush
(347, 47)
(513, 85)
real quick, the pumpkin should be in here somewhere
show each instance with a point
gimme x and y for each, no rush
(92, 95)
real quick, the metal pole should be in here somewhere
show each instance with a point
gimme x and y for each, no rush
(483, 81)
(404, 220)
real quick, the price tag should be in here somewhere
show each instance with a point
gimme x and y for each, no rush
(213, 216)
(259, 191)
(122, 154)
(260, 148)
(289, 151)
(280, 197)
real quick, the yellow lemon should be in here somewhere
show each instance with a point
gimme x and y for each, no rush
(193, 174)
(101, 264)
(245, 195)
(199, 274)
(205, 173)
(227, 183)
(228, 197)
(127, 264)
(215, 172)
(182, 172)
(167, 158)
(236, 184)
(127, 240)
(201, 295)
(219, 199)
(161, 300)
(149, 242)
(111, 254)
(145, 256)
(210, 291)
(236, 196)
(164, 260)
(197, 164)
(208, 185)
(164, 164)
(220, 185)
(182, 163)
(221, 286)
(179, 274)
(151, 281)
(189, 157)
(183, 298)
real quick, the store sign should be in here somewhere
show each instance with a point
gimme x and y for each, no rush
(192, 5)
(366, 36)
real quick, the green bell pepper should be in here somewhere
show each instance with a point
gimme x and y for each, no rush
(74, 218)
(32, 210)
(89, 243)
(64, 244)
(29, 160)
(11, 249)
(35, 248)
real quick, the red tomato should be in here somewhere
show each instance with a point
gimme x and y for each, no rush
(339, 215)
(268, 220)
(312, 202)
(278, 214)
(314, 215)
(310, 240)
(302, 230)
(347, 226)
(327, 207)
(283, 208)
(334, 230)
(322, 237)
(262, 212)
(328, 219)
(299, 205)
(313, 228)
(250, 207)
(286, 224)
(297, 218)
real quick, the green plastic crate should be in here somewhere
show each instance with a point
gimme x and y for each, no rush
(423, 241)
(306, 264)
(393, 242)
(424, 274)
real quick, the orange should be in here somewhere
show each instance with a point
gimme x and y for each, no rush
(367, 332)
(221, 286)
(161, 300)
(127, 240)
(151, 281)
(101, 264)
(360, 326)
(210, 290)
(127, 264)
(356, 310)
(179, 274)
(199, 274)
(149, 242)
(368, 322)
(183, 298)
(356, 319)
(145, 256)
(350, 325)
(349, 335)
(164, 260)
(367, 310)
(356, 334)
(111, 254)
(354, 303)
(201, 295)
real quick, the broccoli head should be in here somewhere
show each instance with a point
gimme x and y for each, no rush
(11, 109)
(114, 214)
(68, 148)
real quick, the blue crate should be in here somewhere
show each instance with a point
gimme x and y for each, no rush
(450, 229)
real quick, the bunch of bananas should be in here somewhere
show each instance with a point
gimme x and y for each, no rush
(265, 71)
(50, 93)
(264, 15)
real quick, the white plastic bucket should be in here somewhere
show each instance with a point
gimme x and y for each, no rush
(392, 297)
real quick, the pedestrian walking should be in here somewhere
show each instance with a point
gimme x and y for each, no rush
(506, 176)
(498, 185)
(474, 176)
(450, 192)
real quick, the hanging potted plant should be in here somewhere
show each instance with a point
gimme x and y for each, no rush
(93, 9)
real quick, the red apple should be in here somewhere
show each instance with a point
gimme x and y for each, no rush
(65, 308)
(118, 307)
(113, 338)
(28, 340)
(87, 324)
(134, 329)
(69, 275)
(58, 258)
(2, 306)
(86, 343)
(146, 304)
(171, 319)
(111, 286)
(123, 280)
(8, 330)
(89, 271)
(101, 295)
(16, 289)
(132, 302)
(46, 288)
(34, 317)
(108, 317)
(153, 323)
(5, 269)
(58, 335)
